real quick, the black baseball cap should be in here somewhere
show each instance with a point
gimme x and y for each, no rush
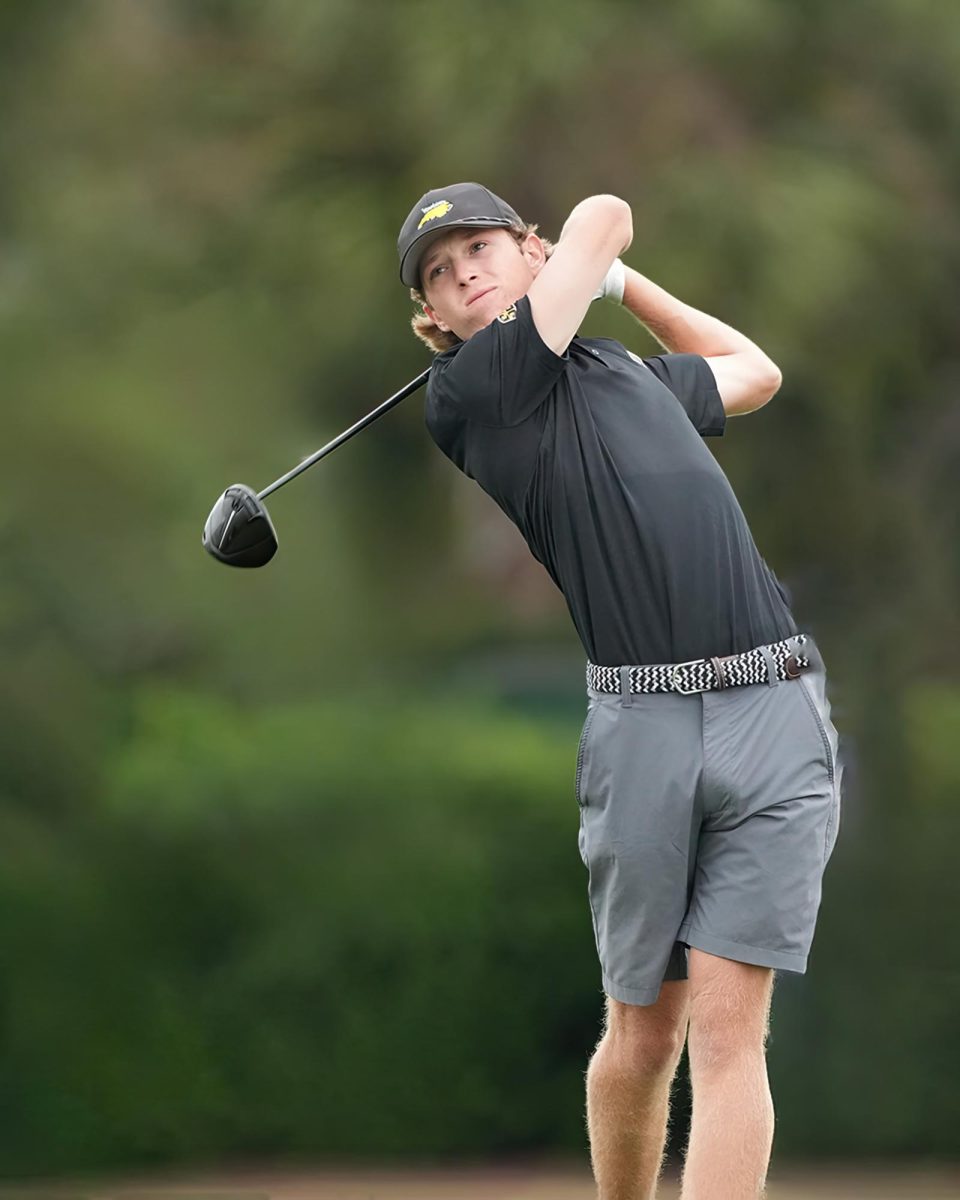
(461, 204)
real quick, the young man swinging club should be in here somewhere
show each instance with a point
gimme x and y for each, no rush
(707, 775)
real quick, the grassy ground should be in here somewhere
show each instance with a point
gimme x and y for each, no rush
(469, 1183)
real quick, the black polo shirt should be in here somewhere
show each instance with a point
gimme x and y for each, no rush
(597, 458)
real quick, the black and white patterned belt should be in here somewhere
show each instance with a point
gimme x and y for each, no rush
(763, 664)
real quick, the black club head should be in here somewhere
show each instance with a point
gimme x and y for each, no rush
(239, 531)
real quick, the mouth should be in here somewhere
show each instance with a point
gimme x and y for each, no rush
(479, 296)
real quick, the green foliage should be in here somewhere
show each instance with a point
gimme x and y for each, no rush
(932, 719)
(360, 925)
(315, 929)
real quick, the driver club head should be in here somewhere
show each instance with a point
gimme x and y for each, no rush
(239, 531)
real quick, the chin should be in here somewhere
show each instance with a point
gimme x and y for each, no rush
(491, 306)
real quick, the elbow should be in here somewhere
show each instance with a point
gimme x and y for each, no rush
(761, 390)
(772, 382)
(617, 216)
(767, 384)
(624, 216)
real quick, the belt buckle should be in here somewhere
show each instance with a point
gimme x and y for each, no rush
(673, 677)
(791, 667)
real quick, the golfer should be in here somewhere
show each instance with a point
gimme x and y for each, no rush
(707, 779)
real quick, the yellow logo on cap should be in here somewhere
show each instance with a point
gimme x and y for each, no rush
(508, 315)
(440, 209)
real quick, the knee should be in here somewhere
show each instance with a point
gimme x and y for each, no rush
(723, 1031)
(648, 1042)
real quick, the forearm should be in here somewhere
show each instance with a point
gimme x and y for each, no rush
(678, 327)
(593, 236)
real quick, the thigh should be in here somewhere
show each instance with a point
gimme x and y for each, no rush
(636, 781)
(770, 816)
(729, 1007)
(668, 1013)
(725, 983)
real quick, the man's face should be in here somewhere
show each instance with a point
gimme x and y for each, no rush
(470, 275)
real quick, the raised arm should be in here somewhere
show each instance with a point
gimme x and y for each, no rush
(746, 377)
(597, 231)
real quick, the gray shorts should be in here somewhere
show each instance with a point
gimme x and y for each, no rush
(707, 820)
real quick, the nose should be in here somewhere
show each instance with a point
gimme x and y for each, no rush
(466, 272)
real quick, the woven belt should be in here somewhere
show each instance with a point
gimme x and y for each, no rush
(708, 674)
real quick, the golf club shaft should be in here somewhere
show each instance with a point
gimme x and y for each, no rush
(347, 433)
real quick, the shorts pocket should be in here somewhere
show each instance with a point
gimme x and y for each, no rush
(821, 728)
(830, 835)
(581, 750)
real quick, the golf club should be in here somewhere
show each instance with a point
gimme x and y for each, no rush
(239, 531)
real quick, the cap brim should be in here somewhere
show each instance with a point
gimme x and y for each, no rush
(410, 263)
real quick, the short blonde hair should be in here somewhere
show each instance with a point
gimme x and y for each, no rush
(427, 329)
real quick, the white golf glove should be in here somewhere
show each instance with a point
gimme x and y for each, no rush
(612, 286)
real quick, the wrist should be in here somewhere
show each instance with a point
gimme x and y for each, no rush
(613, 283)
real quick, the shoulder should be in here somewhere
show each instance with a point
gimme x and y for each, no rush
(502, 373)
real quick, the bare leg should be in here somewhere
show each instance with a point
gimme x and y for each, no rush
(731, 1130)
(628, 1092)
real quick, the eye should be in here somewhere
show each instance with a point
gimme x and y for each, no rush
(435, 272)
(477, 245)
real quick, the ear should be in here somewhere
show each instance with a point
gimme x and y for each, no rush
(534, 251)
(435, 319)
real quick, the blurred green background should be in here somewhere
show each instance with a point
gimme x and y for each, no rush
(289, 857)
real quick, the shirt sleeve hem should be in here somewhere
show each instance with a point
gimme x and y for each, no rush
(714, 417)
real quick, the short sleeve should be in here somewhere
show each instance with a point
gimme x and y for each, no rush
(690, 379)
(502, 374)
